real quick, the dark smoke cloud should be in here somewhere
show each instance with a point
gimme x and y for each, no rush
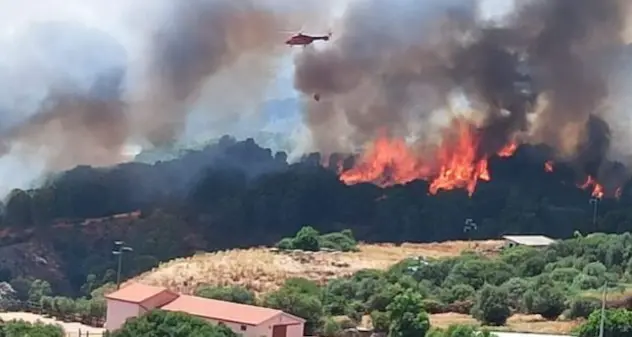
(197, 39)
(542, 76)
(76, 94)
(81, 118)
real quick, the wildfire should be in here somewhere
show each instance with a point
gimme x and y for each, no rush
(508, 150)
(459, 165)
(387, 162)
(597, 188)
(455, 165)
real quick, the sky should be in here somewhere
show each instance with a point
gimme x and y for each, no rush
(126, 21)
(283, 85)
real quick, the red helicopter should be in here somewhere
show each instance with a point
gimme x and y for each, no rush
(301, 39)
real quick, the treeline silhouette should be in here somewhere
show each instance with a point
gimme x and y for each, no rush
(237, 194)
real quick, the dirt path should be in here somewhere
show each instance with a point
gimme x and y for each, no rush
(72, 329)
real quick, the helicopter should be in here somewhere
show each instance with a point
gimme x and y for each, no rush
(304, 40)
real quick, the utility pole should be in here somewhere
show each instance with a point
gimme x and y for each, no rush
(603, 309)
(595, 203)
(121, 248)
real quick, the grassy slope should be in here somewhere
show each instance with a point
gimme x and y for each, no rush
(263, 270)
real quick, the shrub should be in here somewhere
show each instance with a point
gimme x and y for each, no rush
(380, 321)
(433, 306)
(582, 307)
(492, 307)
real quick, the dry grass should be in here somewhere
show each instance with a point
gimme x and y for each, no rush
(263, 270)
(616, 294)
(516, 323)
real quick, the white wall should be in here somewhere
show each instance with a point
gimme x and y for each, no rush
(118, 312)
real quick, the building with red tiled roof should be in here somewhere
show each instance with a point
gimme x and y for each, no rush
(247, 320)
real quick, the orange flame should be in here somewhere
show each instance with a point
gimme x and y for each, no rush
(508, 150)
(597, 192)
(387, 162)
(391, 161)
(548, 166)
(459, 165)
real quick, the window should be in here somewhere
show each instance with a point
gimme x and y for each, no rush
(243, 328)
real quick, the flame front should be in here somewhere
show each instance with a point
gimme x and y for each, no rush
(459, 165)
(508, 150)
(597, 188)
(455, 164)
(387, 162)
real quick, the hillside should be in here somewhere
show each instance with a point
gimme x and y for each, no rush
(264, 269)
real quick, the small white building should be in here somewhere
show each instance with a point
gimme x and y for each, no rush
(247, 320)
(528, 240)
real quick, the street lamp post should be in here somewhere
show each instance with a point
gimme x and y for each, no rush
(603, 308)
(595, 203)
(121, 248)
(468, 226)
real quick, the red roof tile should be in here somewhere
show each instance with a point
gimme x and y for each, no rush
(221, 310)
(135, 293)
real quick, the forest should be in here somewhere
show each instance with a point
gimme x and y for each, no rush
(236, 194)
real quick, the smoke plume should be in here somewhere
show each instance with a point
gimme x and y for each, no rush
(542, 74)
(82, 80)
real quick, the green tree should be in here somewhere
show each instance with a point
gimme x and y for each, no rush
(617, 323)
(39, 289)
(582, 307)
(299, 299)
(492, 306)
(172, 324)
(546, 300)
(459, 292)
(236, 294)
(25, 329)
(407, 316)
(516, 288)
(331, 328)
(380, 321)
(307, 239)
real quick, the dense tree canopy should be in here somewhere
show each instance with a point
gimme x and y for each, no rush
(236, 194)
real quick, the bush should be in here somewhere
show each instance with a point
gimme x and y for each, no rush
(582, 307)
(434, 306)
(173, 324)
(380, 321)
(331, 328)
(586, 282)
(618, 323)
(308, 239)
(460, 307)
(516, 288)
(492, 307)
(407, 316)
(459, 292)
(234, 294)
(24, 329)
(339, 242)
(545, 300)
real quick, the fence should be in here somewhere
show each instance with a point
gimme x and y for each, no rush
(36, 308)
(80, 333)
